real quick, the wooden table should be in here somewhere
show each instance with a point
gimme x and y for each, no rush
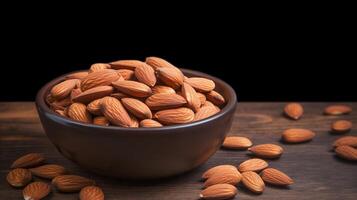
(318, 174)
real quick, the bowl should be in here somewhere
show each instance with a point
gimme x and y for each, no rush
(138, 153)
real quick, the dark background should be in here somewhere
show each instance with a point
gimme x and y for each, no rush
(267, 58)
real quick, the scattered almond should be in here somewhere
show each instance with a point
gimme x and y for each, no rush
(219, 192)
(294, 110)
(236, 142)
(175, 116)
(19, 177)
(147, 123)
(146, 74)
(295, 135)
(338, 110)
(216, 98)
(114, 111)
(276, 177)
(341, 126)
(346, 152)
(91, 193)
(162, 101)
(48, 171)
(99, 78)
(36, 191)
(218, 170)
(254, 164)
(28, 160)
(253, 182)
(133, 88)
(201, 84)
(71, 183)
(137, 108)
(266, 150)
(347, 140)
(232, 177)
(101, 120)
(79, 112)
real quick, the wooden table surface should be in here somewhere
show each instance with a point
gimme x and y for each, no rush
(318, 174)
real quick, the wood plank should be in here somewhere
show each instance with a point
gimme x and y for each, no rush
(315, 169)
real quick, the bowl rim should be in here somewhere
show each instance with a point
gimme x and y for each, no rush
(231, 104)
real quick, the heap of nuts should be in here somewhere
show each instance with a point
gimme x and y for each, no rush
(132, 93)
(33, 165)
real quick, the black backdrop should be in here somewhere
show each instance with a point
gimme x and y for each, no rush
(265, 61)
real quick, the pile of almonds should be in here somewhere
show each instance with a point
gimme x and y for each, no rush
(221, 181)
(33, 165)
(132, 93)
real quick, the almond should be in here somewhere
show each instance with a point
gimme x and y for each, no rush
(36, 191)
(119, 95)
(63, 89)
(236, 142)
(162, 89)
(170, 76)
(276, 177)
(147, 123)
(48, 171)
(126, 64)
(254, 164)
(93, 94)
(61, 112)
(347, 140)
(133, 88)
(341, 126)
(49, 99)
(134, 122)
(146, 74)
(91, 193)
(61, 104)
(175, 116)
(71, 183)
(338, 110)
(157, 62)
(19, 177)
(101, 120)
(137, 108)
(267, 150)
(201, 84)
(99, 78)
(219, 192)
(232, 177)
(77, 75)
(216, 98)
(220, 169)
(346, 152)
(75, 92)
(28, 160)
(164, 101)
(79, 112)
(205, 112)
(253, 182)
(295, 135)
(127, 74)
(208, 103)
(294, 110)
(94, 107)
(115, 112)
(98, 66)
(191, 97)
(202, 98)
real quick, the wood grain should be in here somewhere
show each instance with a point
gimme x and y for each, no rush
(315, 169)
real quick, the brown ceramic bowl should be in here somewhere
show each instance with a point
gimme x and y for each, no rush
(138, 153)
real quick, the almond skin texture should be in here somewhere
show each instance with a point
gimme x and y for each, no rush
(205, 112)
(253, 182)
(341, 126)
(114, 111)
(170, 76)
(232, 177)
(267, 150)
(93, 94)
(294, 110)
(157, 62)
(126, 64)
(164, 101)
(276, 177)
(146, 74)
(191, 97)
(63, 89)
(236, 142)
(77, 75)
(218, 170)
(137, 108)
(347, 140)
(133, 88)
(126, 73)
(48, 171)
(201, 84)
(219, 192)
(36, 191)
(99, 78)
(216, 98)
(162, 89)
(295, 135)
(71, 183)
(175, 116)
(91, 193)
(101, 121)
(19, 177)
(98, 67)
(254, 164)
(94, 107)
(346, 152)
(338, 110)
(28, 160)
(148, 123)
(79, 112)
